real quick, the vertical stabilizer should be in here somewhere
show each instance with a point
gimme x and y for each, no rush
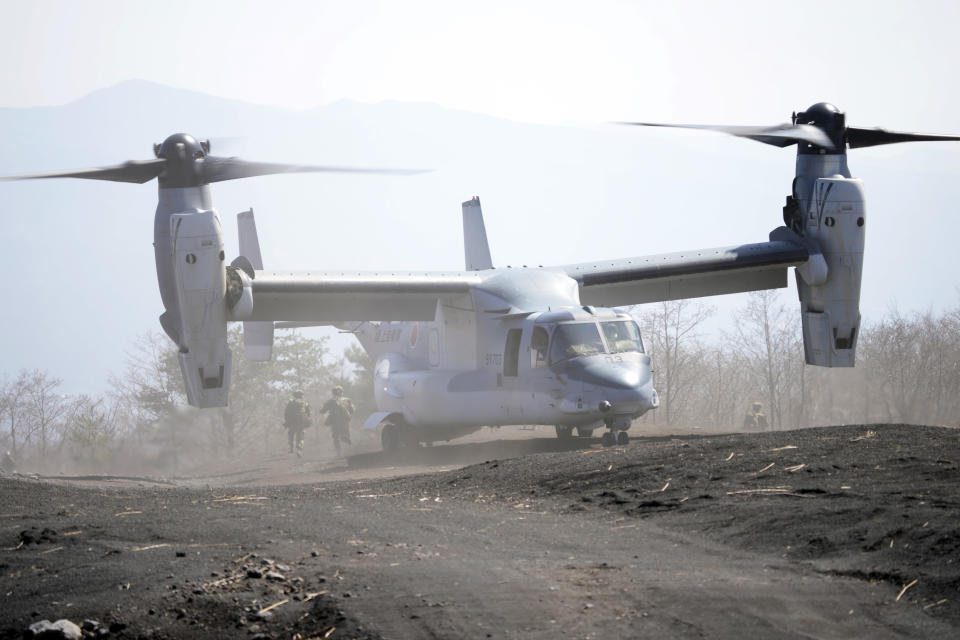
(257, 336)
(475, 248)
(249, 243)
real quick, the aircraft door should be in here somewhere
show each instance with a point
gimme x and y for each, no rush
(511, 353)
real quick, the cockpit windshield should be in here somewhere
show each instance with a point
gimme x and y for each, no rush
(574, 340)
(622, 336)
(577, 339)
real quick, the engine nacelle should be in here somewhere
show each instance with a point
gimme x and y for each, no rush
(199, 270)
(829, 284)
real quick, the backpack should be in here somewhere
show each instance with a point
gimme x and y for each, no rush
(297, 414)
(341, 409)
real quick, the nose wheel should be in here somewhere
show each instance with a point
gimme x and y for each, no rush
(610, 438)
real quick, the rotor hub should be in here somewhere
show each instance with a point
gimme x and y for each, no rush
(828, 119)
(184, 155)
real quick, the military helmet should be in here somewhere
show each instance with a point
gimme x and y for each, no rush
(338, 390)
(298, 394)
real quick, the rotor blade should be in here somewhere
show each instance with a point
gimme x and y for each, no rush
(218, 169)
(781, 135)
(138, 171)
(857, 137)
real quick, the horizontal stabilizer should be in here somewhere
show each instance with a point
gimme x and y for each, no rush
(257, 336)
(258, 341)
(301, 325)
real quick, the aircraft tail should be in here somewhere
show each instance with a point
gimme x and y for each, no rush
(257, 336)
(475, 247)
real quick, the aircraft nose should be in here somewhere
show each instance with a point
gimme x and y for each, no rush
(625, 387)
(620, 376)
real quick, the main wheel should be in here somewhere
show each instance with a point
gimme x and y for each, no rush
(409, 438)
(390, 437)
(623, 438)
(564, 433)
(608, 439)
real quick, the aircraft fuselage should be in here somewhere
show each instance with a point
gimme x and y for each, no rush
(481, 364)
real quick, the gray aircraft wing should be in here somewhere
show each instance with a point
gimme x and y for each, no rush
(343, 296)
(689, 274)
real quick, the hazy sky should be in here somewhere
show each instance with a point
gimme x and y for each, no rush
(891, 63)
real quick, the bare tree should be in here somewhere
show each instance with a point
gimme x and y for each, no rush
(152, 389)
(46, 406)
(13, 407)
(671, 330)
(93, 425)
(765, 334)
(948, 411)
(152, 378)
(725, 386)
(902, 353)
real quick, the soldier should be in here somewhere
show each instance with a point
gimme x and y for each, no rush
(296, 418)
(338, 410)
(755, 419)
(9, 466)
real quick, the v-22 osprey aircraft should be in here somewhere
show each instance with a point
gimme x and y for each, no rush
(486, 346)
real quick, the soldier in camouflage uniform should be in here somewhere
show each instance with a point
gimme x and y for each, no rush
(8, 465)
(296, 418)
(339, 409)
(755, 420)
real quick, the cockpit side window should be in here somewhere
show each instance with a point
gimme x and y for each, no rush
(538, 348)
(622, 336)
(574, 340)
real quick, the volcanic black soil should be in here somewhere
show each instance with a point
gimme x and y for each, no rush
(832, 533)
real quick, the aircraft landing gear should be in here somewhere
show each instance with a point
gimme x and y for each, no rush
(623, 438)
(608, 439)
(409, 438)
(564, 433)
(398, 435)
(390, 438)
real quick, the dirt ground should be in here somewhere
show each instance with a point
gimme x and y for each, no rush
(831, 532)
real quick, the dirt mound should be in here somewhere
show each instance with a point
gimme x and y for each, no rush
(877, 502)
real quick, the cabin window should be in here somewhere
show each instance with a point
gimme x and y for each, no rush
(538, 348)
(622, 336)
(511, 352)
(574, 340)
